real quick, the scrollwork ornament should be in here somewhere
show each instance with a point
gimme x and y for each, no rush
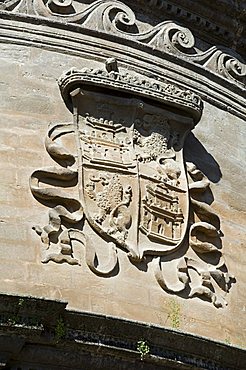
(61, 6)
(169, 37)
(116, 18)
(108, 16)
(183, 39)
(231, 68)
(119, 17)
(193, 275)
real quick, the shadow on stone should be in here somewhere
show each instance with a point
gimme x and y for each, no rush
(196, 153)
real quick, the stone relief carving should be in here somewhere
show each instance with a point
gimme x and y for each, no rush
(114, 17)
(146, 87)
(204, 238)
(65, 208)
(129, 183)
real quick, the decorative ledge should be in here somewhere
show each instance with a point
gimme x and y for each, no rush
(116, 18)
(56, 36)
(167, 51)
(44, 332)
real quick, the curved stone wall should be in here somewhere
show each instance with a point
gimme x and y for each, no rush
(37, 47)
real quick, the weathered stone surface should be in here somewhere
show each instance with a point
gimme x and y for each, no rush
(43, 334)
(31, 62)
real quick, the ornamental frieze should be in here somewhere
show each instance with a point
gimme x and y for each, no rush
(126, 183)
(116, 18)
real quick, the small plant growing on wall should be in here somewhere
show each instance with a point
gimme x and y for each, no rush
(21, 302)
(174, 314)
(228, 341)
(143, 348)
(60, 330)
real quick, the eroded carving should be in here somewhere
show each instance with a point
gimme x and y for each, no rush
(66, 210)
(131, 183)
(112, 202)
(193, 274)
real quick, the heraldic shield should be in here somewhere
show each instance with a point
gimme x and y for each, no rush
(133, 184)
(132, 180)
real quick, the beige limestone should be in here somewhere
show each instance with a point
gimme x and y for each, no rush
(30, 101)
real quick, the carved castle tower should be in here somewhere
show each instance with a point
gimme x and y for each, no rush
(122, 223)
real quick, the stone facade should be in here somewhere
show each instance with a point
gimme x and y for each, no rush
(165, 105)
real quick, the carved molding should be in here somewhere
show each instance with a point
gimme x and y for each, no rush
(206, 18)
(42, 33)
(164, 93)
(131, 181)
(31, 338)
(116, 18)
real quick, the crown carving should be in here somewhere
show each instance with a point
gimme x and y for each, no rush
(111, 79)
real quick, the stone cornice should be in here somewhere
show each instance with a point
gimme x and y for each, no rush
(163, 65)
(116, 18)
(30, 326)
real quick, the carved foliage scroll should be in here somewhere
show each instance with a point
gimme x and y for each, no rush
(66, 210)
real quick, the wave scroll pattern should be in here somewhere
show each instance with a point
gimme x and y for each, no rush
(116, 18)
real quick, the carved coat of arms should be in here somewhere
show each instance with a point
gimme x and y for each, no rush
(133, 184)
(133, 189)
